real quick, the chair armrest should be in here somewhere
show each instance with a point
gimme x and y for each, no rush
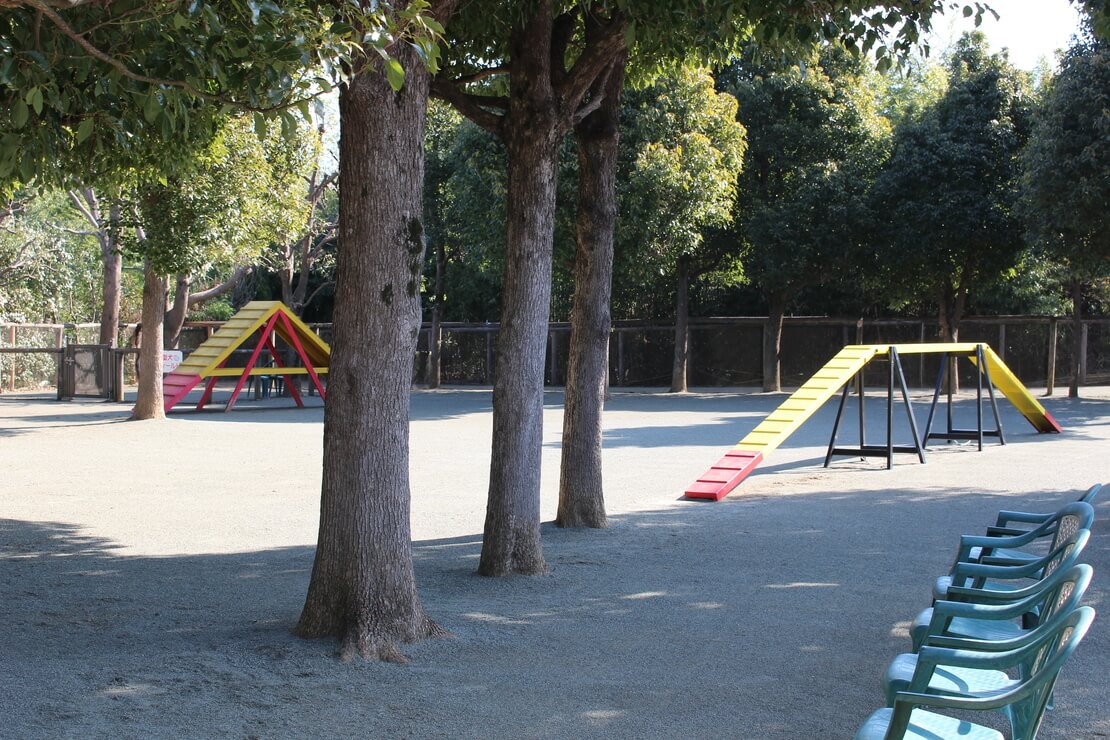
(1006, 517)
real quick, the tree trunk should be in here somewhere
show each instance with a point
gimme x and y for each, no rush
(285, 277)
(772, 343)
(112, 262)
(581, 494)
(435, 340)
(1076, 335)
(363, 589)
(175, 316)
(681, 326)
(149, 402)
(950, 312)
(511, 542)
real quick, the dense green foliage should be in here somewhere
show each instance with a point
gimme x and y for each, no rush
(946, 196)
(93, 90)
(815, 140)
(1068, 160)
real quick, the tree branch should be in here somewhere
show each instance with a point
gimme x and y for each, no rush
(604, 40)
(480, 75)
(218, 290)
(43, 7)
(85, 210)
(321, 286)
(562, 31)
(471, 105)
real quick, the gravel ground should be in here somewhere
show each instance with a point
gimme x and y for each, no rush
(151, 573)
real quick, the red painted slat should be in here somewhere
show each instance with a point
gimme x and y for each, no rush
(716, 483)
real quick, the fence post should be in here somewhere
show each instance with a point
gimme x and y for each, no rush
(620, 357)
(921, 357)
(1083, 354)
(552, 360)
(11, 343)
(860, 380)
(489, 356)
(1050, 381)
(1002, 341)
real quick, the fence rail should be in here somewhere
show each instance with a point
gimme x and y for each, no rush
(723, 351)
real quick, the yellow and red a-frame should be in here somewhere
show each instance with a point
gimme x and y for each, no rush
(209, 360)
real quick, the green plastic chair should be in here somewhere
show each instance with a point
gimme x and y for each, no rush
(983, 583)
(1003, 525)
(990, 626)
(1024, 704)
(1011, 549)
(923, 671)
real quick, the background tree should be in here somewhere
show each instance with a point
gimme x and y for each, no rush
(1067, 178)
(307, 259)
(948, 191)
(688, 149)
(223, 211)
(815, 137)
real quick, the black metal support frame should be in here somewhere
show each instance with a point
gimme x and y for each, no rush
(889, 449)
(952, 432)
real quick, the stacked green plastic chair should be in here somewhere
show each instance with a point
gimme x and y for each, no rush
(1023, 704)
(1004, 620)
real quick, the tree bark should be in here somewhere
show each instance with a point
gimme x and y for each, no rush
(149, 402)
(681, 325)
(435, 339)
(581, 493)
(363, 589)
(175, 316)
(511, 542)
(112, 262)
(1076, 335)
(772, 343)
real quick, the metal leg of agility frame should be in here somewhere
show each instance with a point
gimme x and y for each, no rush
(978, 433)
(889, 449)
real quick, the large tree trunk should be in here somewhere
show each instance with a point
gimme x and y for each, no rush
(149, 402)
(363, 589)
(175, 316)
(581, 495)
(435, 340)
(681, 326)
(112, 262)
(512, 529)
(1076, 335)
(772, 342)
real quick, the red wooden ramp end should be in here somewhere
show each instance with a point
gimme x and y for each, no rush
(716, 483)
(1051, 426)
(176, 386)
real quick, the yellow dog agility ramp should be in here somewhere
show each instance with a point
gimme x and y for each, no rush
(739, 462)
(266, 318)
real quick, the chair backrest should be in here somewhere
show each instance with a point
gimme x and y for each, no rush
(1065, 589)
(1023, 704)
(1070, 519)
(1060, 558)
(1056, 642)
(1092, 493)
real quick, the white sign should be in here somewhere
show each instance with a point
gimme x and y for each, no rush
(171, 358)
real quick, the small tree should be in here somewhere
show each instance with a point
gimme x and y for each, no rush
(224, 212)
(688, 148)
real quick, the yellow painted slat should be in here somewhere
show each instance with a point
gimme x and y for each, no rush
(1005, 380)
(813, 394)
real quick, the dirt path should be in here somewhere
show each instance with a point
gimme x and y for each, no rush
(151, 573)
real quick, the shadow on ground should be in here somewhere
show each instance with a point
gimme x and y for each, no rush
(759, 617)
